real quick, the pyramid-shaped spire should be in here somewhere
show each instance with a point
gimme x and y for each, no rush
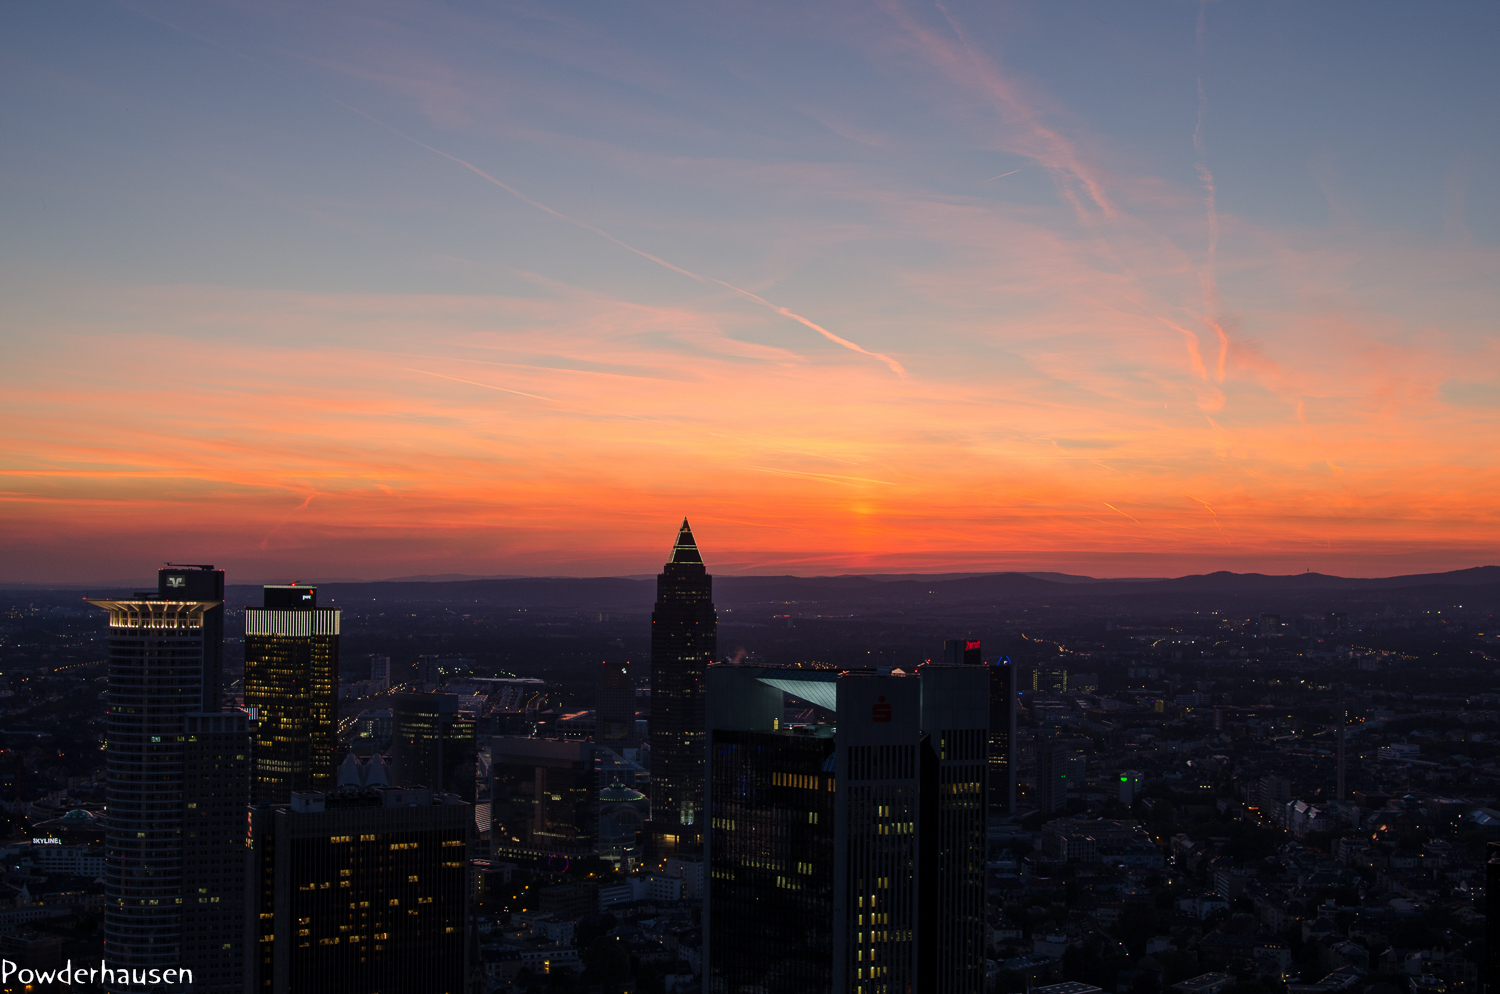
(686, 550)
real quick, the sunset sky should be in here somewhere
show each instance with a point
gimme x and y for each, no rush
(375, 289)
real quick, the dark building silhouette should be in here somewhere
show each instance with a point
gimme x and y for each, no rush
(614, 708)
(291, 690)
(544, 799)
(888, 894)
(1001, 781)
(961, 652)
(216, 789)
(361, 890)
(431, 745)
(1051, 777)
(171, 835)
(684, 640)
(1492, 916)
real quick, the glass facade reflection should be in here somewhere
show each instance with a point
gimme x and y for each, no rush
(771, 828)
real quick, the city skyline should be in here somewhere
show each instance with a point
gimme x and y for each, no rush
(862, 288)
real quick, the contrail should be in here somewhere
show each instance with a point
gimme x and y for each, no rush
(1118, 511)
(1002, 176)
(1207, 277)
(476, 383)
(1210, 509)
(895, 366)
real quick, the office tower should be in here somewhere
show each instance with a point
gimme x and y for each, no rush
(955, 718)
(684, 639)
(901, 907)
(164, 827)
(1001, 776)
(291, 691)
(614, 708)
(1045, 678)
(216, 789)
(1051, 777)
(1492, 915)
(380, 671)
(1002, 769)
(1130, 785)
(544, 798)
(429, 671)
(360, 890)
(432, 746)
(961, 652)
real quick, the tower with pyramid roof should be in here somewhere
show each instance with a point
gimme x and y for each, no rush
(684, 640)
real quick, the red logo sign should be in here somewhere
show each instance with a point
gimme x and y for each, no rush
(881, 711)
(971, 646)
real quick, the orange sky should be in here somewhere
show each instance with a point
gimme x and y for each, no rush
(839, 349)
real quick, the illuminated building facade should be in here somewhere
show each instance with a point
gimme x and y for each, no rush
(684, 640)
(162, 727)
(544, 799)
(291, 689)
(898, 874)
(432, 746)
(361, 890)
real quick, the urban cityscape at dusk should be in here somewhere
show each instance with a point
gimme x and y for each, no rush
(864, 497)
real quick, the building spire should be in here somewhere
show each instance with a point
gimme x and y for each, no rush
(686, 550)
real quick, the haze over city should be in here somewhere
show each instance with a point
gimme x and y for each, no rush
(354, 291)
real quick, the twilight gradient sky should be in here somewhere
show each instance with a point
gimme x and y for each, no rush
(369, 289)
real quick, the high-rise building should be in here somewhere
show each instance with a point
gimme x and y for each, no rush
(544, 798)
(961, 652)
(1130, 786)
(1001, 779)
(291, 691)
(684, 640)
(1051, 777)
(216, 788)
(432, 745)
(1002, 768)
(380, 671)
(888, 895)
(614, 708)
(361, 890)
(175, 768)
(1492, 915)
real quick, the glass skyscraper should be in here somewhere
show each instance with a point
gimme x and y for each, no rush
(887, 895)
(174, 830)
(432, 746)
(684, 640)
(291, 689)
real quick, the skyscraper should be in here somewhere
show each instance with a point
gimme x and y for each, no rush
(544, 798)
(432, 746)
(961, 652)
(1051, 777)
(614, 708)
(684, 640)
(889, 896)
(216, 789)
(291, 689)
(361, 890)
(1001, 778)
(168, 841)
(1002, 769)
